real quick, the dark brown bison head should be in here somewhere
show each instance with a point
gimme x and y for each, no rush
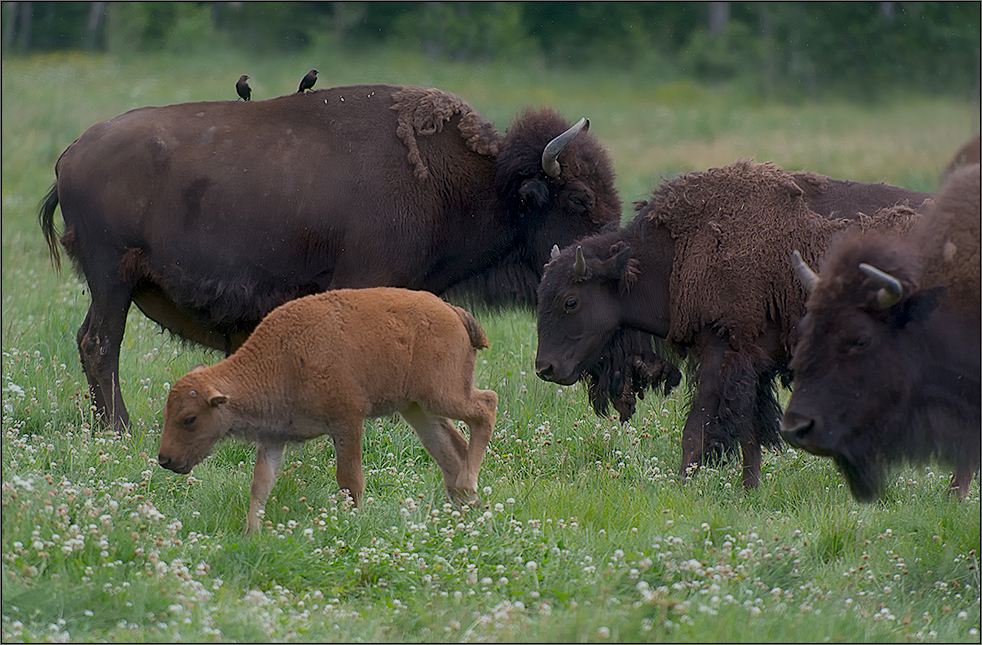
(869, 363)
(193, 423)
(557, 179)
(579, 305)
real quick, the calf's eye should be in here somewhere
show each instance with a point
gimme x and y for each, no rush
(189, 421)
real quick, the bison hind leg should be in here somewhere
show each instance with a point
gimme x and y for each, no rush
(99, 339)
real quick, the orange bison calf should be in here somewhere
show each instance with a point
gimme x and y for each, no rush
(321, 365)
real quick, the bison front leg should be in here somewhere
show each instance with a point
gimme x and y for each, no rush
(721, 414)
(269, 458)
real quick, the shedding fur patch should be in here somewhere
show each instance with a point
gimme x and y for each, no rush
(735, 228)
(424, 111)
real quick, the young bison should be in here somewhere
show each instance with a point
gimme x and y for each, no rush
(321, 365)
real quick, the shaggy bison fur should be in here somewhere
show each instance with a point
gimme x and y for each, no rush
(887, 369)
(704, 267)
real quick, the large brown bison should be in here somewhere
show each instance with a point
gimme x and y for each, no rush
(701, 266)
(209, 215)
(887, 368)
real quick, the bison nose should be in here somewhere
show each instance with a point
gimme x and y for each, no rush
(544, 370)
(795, 428)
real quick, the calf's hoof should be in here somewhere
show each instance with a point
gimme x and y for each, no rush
(462, 496)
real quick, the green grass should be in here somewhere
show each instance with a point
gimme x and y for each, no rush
(586, 535)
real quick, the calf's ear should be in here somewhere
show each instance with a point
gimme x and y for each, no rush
(214, 397)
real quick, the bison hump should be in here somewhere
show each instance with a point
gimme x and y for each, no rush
(424, 111)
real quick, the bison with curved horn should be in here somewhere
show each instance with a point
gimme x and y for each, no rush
(888, 365)
(702, 266)
(209, 215)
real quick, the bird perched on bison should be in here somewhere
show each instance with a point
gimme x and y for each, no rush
(242, 88)
(307, 81)
(321, 365)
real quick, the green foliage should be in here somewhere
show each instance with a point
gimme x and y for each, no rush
(792, 50)
(585, 532)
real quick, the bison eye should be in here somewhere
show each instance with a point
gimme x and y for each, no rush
(189, 421)
(571, 304)
(858, 345)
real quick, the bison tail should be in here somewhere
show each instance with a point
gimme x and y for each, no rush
(478, 339)
(46, 219)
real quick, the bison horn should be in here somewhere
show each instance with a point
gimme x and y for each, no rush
(580, 265)
(809, 279)
(891, 291)
(555, 252)
(549, 164)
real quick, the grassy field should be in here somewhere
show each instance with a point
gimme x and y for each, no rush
(586, 534)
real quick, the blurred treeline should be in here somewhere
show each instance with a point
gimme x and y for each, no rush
(783, 48)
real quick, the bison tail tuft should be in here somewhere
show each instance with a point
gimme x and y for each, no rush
(478, 339)
(46, 219)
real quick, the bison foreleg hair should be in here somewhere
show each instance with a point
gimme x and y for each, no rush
(631, 362)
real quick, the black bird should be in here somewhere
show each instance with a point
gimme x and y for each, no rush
(308, 81)
(242, 88)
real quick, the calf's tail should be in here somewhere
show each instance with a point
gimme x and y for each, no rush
(46, 219)
(478, 339)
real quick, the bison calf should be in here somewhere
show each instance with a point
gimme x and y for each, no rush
(321, 365)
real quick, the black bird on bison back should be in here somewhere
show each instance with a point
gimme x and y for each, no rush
(242, 88)
(308, 81)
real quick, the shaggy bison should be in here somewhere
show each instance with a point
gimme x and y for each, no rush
(701, 266)
(322, 364)
(887, 368)
(209, 215)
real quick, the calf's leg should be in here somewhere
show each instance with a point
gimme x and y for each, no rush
(442, 441)
(347, 451)
(479, 415)
(269, 458)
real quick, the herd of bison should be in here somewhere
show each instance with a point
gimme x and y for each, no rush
(332, 210)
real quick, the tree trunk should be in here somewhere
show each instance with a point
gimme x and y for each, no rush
(719, 16)
(93, 28)
(24, 17)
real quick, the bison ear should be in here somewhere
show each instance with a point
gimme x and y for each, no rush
(920, 306)
(199, 366)
(617, 266)
(214, 397)
(534, 193)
